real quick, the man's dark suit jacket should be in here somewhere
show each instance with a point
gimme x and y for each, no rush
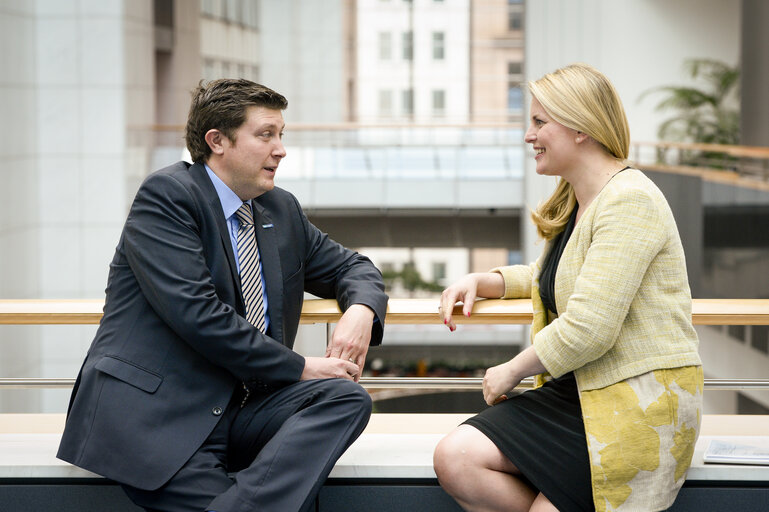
(174, 343)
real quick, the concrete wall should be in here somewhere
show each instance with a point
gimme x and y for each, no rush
(78, 76)
(301, 56)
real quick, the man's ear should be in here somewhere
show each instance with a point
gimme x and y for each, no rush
(215, 140)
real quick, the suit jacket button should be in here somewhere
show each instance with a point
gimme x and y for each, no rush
(216, 411)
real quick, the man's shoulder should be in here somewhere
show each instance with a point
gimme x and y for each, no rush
(182, 173)
(179, 170)
(278, 198)
(179, 183)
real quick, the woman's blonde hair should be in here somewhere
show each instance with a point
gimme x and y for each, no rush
(581, 98)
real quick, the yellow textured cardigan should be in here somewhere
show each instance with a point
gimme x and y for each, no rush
(625, 330)
(621, 289)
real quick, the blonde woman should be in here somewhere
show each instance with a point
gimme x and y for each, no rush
(614, 422)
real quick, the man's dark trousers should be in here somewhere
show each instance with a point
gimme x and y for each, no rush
(273, 454)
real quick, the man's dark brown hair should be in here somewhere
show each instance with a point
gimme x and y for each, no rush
(222, 105)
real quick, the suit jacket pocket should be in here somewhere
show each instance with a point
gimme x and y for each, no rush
(295, 274)
(130, 373)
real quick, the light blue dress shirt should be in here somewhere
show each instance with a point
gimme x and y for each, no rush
(230, 204)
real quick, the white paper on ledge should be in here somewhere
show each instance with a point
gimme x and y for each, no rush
(727, 452)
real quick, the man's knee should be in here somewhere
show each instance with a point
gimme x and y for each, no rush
(356, 394)
(347, 392)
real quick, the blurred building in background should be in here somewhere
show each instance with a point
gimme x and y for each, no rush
(404, 136)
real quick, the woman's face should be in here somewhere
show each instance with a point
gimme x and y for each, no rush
(554, 144)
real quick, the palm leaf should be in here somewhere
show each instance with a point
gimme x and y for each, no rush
(701, 114)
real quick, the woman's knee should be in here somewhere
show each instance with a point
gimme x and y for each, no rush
(450, 457)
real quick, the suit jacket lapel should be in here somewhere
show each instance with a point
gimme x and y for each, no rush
(267, 240)
(200, 175)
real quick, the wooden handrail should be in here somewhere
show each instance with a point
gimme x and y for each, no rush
(758, 152)
(399, 311)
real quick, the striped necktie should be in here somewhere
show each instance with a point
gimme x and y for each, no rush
(250, 268)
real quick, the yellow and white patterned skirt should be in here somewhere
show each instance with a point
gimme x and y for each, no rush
(640, 436)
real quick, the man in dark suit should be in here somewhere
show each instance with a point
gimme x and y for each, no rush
(182, 399)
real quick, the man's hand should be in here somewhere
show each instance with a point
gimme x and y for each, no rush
(351, 337)
(328, 368)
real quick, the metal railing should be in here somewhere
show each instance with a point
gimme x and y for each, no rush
(399, 311)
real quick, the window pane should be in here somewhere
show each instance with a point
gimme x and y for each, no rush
(385, 103)
(408, 45)
(411, 163)
(385, 46)
(207, 7)
(438, 43)
(209, 70)
(514, 98)
(439, 272)
(231, 11)
(407, 100)
(439, 101)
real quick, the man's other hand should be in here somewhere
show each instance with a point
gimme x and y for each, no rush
(352, 336)
(329, 368)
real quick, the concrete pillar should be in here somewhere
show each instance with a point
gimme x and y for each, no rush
(754, 78)
(684, 194)
(78, 81)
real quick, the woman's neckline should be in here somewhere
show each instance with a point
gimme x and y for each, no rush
(581, 211)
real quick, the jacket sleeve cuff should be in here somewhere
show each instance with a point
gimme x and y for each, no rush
(517, 281)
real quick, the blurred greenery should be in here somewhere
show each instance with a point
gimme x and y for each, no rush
(410, 279)
(706, 114)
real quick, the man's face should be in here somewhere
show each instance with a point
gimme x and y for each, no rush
(249, 162)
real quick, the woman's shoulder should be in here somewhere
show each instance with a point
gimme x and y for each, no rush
(632, 199)
(631, 185)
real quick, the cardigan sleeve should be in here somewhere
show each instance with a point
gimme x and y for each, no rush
(629, 229)
(517, 280)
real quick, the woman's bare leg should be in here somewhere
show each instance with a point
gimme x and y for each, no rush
(542, 504)
(478, 476)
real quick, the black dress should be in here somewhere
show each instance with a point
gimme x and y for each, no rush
(541, 430)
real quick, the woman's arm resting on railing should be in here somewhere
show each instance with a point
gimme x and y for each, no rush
(467, 289)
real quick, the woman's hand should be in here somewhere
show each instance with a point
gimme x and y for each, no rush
(504, 377)
(466, 290)
(498, 381)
